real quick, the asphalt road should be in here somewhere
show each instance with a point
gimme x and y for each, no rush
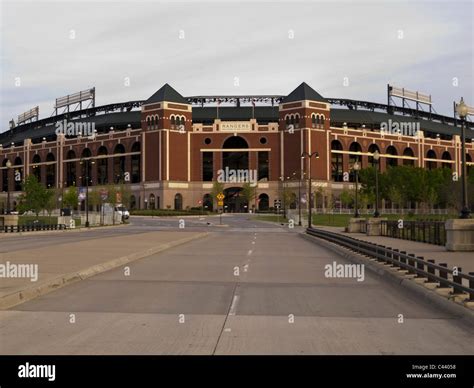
(248, 288)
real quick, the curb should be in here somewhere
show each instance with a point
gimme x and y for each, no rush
(461, 312)
(42, 232)
(21, 296)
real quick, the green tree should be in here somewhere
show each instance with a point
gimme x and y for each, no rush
(51, 201)
(70, 198)
(347, 198)
(249, 193)
(94, 198)
(112, 199)
(125, 194)
(35, 196)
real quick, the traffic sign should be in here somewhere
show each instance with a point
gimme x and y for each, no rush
(220, 196)
(220, 203)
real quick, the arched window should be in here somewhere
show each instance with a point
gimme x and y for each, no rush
(313, 120)
(135, 163)
(371, 160)
(408, 152)
(322, 120)
(172, 121)
(148, 122)
(353, 158)
(36, 167)
(391, 162)
(287, 120)
(263, 202)
(50, 170)
(336, 161)
(207, 202)
(235, 160)
(119, 163)
(178, 202)
(86, 167)
(18, 173)
(102, 166)
(5, 173)
(297, 121)
(133, 202)
(151, 201)
(70, 169)
(446, 156)
(431, 164)
(468, 166)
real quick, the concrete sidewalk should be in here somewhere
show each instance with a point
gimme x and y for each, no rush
(66, 263)
(465, 260)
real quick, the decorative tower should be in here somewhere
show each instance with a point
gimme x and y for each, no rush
(166, 122)
(304, 126)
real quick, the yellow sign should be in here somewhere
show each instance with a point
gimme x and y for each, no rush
(220, 196)
(220, 203)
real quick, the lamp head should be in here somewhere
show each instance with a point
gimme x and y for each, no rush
(376, 155)
(461, 109)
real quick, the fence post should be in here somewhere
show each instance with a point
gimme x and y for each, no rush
(431, 271)
(411, 263)
(443, 275)
(458, 280)
(420, 266)
(471, 286)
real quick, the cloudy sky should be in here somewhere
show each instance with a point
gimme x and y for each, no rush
(129, 49)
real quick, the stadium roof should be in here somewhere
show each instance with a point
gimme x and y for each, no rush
(206, 115)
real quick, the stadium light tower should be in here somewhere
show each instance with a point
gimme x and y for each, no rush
(462, 111)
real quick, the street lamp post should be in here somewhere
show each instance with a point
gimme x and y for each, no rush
(376, 157)
(299, 198)
(356, 168)
(462, 111)
(8, 165)
(310, 202)
(87, 189)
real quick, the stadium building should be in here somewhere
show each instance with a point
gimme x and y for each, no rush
(171, 148)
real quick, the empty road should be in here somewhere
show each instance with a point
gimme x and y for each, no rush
(247, 288)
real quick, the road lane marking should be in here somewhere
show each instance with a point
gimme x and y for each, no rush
(249, 252)
(233, 306)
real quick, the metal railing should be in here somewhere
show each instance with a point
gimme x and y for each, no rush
(414, 265)
(31, 228)
(431, 232)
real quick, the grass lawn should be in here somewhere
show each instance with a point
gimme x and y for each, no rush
(44, 220)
